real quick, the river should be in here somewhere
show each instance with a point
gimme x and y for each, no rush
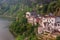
(4, 29)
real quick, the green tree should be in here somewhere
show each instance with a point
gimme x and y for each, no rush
(51, 7)
(20, 37)
(58, 38)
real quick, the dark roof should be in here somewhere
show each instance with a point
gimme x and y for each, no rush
(51, 14)
(34, 14)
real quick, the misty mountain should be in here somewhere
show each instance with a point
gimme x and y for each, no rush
(11, 7)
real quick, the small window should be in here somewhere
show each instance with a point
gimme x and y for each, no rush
(52, 20)
(52, 23)
(55, 24)
(47, 20)
(28, 14)
(58, 24)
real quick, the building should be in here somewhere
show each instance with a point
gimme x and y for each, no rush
(46, 23)
(31, 17)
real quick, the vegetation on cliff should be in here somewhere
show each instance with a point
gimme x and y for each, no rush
(20, 27)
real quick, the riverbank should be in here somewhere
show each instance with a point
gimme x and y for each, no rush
(13, 33)
(7, 17)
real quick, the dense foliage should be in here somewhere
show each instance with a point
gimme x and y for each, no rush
(13, 7)
(58, 38)
(20, 27)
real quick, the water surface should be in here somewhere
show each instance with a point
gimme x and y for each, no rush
(4, 30)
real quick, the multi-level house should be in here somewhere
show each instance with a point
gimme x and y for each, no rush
(46, 23)
(50, 23)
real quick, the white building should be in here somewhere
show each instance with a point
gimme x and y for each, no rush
(31, 17)
(47, 23)
(50, 23)
(48, 20)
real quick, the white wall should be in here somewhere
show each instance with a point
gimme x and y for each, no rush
(50, 20)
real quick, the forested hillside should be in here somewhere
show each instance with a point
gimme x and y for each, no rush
(14, 7)
(17, 8)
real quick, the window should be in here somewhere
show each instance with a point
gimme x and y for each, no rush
(58, 24)
(52, 23)
(47, 20)
(52, 20)
(55, 24)
(27, 14)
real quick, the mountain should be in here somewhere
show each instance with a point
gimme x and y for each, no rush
(12, 7)
(9, 7)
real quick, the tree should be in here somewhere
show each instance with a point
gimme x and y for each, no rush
(20, 37)
(51, 7)
(54, 7)
(58, 38)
